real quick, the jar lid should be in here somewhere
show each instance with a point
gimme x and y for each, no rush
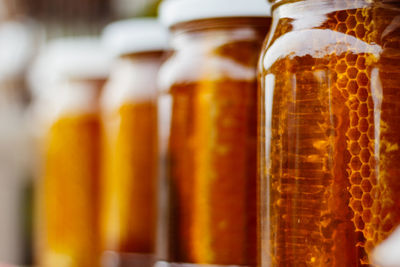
(17, 47)
(135, 35)
(177, 11)
(61, 59)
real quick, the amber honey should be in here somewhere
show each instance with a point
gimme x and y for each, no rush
(329, 132)
(130, 161)
(129, 201)
(211, 83)
(69, 191)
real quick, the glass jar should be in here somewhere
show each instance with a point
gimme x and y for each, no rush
(69, 76)
(19, 44)
(129, 108)
(208, 87)
(329, 133)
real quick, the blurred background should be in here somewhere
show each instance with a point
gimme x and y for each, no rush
(25, 27)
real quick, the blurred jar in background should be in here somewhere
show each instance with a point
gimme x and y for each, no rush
(129, 188)
(209, 88)
(19, 40)
(330, 132)
(67, 79)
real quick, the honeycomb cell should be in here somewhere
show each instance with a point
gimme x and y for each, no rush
(366, 185)
(363, 125)
(370, 103)
(375, 192)
(355, 148)
(354, 134)
(361, 63)
(356, 205)
(356, 178)
(371, 132)
(360, 17)
(364, 141)
(371, 113)
(365, 155)
(354, 118)
(362, 94)
(363, 110)
(341, 27)
(342, 81)
(377, 208)
(359, 223)
(360, 31)
(351, 59)
(352, 87)
(354, 103)
(341, 16)
(352, 72)
(367, 200)
(368, 232)
(373, 179)
(362, 79)
(365, 171)
(355, 164)
(375, 221)
(356, 191)
(367, 215)
(341, 67)
(351, 22)
(372, 162)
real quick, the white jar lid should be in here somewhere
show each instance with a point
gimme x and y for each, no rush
(177, 11)
(69, 58)
(136, 35)
(17, 47)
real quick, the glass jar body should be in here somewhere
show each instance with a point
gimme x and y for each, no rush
(329, 132)
(67, 191)
(129, 186)
(209, 102)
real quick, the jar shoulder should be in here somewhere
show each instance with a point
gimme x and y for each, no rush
(374, 30)
(230, 61)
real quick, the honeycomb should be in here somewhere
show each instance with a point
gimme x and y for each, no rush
(334, 143)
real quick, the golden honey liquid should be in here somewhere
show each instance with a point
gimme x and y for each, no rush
(69, 194)
(213, 150)
(213, 143)
(330, 137)
(129, 187)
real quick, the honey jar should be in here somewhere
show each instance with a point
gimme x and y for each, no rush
(130, 160)
(68, 77)
(329, 135)
(208, 97)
